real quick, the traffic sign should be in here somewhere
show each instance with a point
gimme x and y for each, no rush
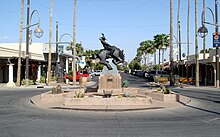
(78, 62)
(216, 39)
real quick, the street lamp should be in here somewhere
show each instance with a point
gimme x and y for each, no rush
(38, 32)
(73, 61)
(203, 31)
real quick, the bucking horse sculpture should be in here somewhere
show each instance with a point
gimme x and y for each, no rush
(110, 51)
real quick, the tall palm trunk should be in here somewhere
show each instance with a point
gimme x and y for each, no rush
(50, 44)
(196, 43)
(74, 45)
(159, 60)
(20, 44)
(178, 29)
(145, 60)
(171, 44)
(188, 36)
(188, 29)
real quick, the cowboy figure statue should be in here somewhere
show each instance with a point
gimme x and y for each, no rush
(110, 51)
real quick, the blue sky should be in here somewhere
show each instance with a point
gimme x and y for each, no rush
(125, 23)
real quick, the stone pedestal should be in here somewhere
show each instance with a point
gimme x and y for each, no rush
(110, 82)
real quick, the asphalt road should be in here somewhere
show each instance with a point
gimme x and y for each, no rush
(199, 118)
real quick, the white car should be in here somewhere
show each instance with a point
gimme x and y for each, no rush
(97, 72)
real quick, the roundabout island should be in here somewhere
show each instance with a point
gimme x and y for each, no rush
(111, 94)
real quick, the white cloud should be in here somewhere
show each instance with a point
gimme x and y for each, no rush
(3, 37)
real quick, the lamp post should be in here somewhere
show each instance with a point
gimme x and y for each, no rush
(203, 31)
(38, 32)
(67, 34)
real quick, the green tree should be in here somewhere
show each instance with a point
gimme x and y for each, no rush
(79, 49)
(90, 56)
(146, 48)
(161, 40)
(135, 63)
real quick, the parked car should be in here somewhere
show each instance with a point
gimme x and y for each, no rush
(97, 72)
(81, 73)
(150, 74)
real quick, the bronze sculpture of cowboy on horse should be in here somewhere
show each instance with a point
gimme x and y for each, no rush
(110, 51)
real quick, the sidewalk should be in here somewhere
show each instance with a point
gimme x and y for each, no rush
(186, 86)
(210, 88)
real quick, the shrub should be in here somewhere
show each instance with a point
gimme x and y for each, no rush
(167, 91)
(43, 79)
(57, 90)
(156, 78)
(31, 82)
(151, 86)
(79, 95)
(54, 78)
(125, 83)
(89, 78)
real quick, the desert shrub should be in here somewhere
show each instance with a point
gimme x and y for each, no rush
(156, 78)
(57, 90)
(125, 83)
(31, 82)
(79, 95)
(167, 91)
(43, 79)
(54, 78)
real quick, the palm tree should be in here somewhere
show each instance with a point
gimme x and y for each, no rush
(20, 44)
(188, 36)
(74, 44)
(171, 44)
(161, 40)
(146, 48)
(151, 48)
(79, 49)
(90, 56)
(50, 44)
(142, 51)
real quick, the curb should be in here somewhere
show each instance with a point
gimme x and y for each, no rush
(107, 109)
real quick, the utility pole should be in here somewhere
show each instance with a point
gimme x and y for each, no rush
(74, 45)
(217, 48)
(204, 38)
(57, 54)
(27, 45)
(179, 41)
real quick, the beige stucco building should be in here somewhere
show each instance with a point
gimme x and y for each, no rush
(38, 60)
